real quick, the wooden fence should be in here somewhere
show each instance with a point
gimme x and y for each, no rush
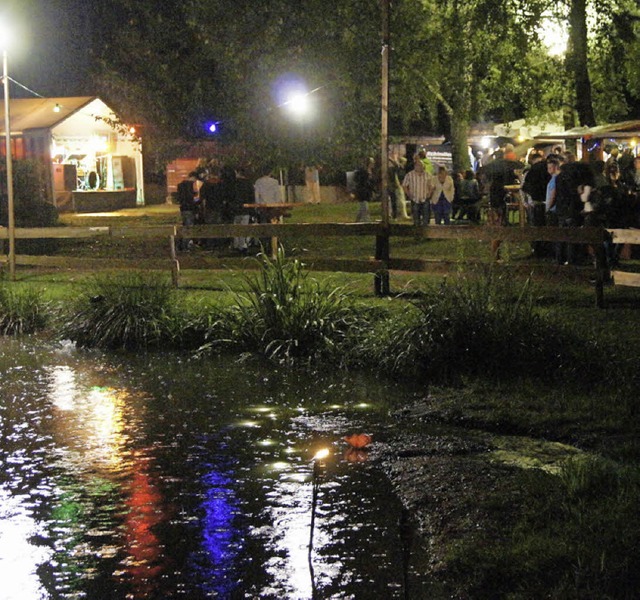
(380, 264)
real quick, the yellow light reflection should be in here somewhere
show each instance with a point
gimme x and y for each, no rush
(321, 454)
(280, 466)
(363, 405)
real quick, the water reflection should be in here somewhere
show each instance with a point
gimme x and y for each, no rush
(220, 538)
(150, 477)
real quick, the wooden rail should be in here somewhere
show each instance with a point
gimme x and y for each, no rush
(379, 265)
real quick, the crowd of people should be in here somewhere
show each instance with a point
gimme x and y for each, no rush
(561, 191)
(557, 190)
(220, 195)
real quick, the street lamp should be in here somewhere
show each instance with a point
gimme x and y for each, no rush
(11, 225)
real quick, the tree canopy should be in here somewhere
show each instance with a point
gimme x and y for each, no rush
(177, 65)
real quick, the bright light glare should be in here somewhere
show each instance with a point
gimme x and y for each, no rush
(321, 454)
(554, 36)
(6, 36)
(298, 104)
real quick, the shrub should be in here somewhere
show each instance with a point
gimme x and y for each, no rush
(128, 311)
(21, 311)
(32, 207)
(284, 314)
(479, 325)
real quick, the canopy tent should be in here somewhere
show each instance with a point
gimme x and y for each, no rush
(591, 141)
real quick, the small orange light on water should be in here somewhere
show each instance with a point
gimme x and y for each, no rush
(321, 454)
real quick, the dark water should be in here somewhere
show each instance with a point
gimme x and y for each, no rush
(160, 477)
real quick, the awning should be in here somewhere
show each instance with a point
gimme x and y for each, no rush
(624, 129)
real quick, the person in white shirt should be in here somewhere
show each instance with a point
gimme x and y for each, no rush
(267, 189)
(442, 197)
(418, 186)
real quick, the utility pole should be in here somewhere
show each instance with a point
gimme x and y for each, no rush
(382, 241)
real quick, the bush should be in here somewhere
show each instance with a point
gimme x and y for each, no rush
(479, 325)
(284, 314)
(125, 310)
(21, 311)
(32, 208)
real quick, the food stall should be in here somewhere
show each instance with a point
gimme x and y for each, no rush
(94, 160)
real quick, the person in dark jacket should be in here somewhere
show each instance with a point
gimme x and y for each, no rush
(187, 196)
(534, 187)
(571, 180)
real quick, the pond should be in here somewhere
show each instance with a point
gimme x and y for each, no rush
(156, 476)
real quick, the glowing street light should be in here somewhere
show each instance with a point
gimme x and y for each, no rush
(11, 226)
(299, 105)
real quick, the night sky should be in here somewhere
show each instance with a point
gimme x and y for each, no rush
(51, 54)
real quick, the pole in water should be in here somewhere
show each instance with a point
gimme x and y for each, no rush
(318, 467)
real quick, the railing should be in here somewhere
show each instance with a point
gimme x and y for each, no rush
(380, 265)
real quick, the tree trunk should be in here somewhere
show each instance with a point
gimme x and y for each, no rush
(577, 62)
(459, 141)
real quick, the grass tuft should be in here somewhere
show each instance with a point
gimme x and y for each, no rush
(124, 311)
(284, 314)
(22, 311)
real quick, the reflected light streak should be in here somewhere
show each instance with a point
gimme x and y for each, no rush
(220, 539)
(19, 560)
(146, 511)
(290, 565)
(63, 388)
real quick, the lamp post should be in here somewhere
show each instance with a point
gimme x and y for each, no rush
(11, 225)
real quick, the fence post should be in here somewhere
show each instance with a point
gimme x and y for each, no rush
(175, 265)
(381, 278)
(602, 270)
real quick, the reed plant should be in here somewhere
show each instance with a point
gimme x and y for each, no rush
(128, 310)
(22, 311)
(284, 314)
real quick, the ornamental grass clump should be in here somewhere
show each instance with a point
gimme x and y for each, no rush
(124, 311)
(21, 311)
(479, 325)
(283, 314)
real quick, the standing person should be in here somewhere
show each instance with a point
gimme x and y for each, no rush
(418, 187)
(363, 190)
(534, 187)
(312, 184)
(500, 172)
(187, 199)
(267, 189)
(245, 195)
(210, 207)
(478, 162)
(397, 199)
(442, 196)
(428, 165)
(569, 184)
